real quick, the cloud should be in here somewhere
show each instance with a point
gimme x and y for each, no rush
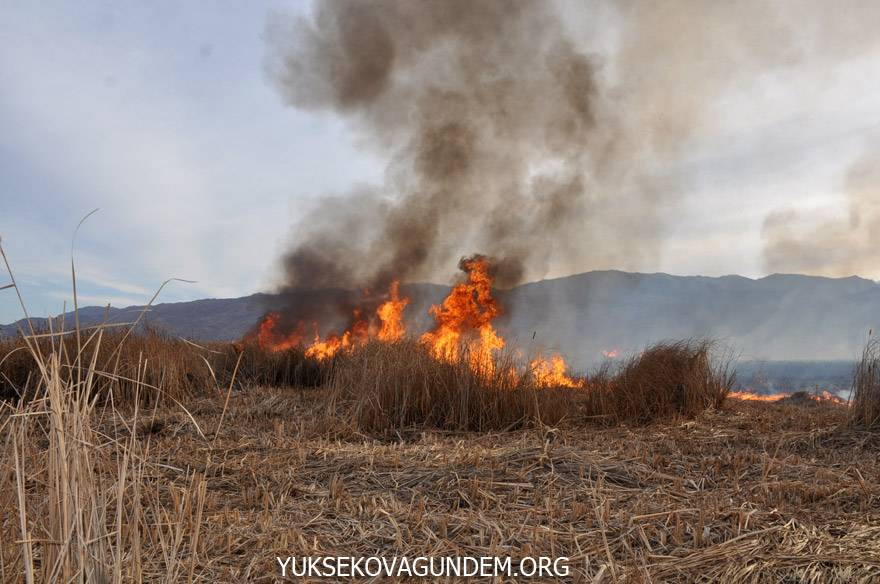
(834, 242)
(200, 170)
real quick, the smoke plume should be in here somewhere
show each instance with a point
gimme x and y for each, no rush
(845, 245)
(516, 130)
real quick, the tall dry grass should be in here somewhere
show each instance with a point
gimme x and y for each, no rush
(394, 386)
(865, 410)
(154, 365)
(87, 505)
(84, 503)
(666, 380)
(259, 367)
(384, 386)
(122, 364)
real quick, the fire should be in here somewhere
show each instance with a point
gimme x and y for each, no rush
(824, 396)
(750, 396)
(325, 349)
(357, 334)
(612, 354)
(389, 328)
(269, 337)
(390, 314)
(466, 315)
(552, 373)
(463, 323)
(464, 320)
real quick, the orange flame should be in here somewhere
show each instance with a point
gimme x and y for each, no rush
(358, 334)
(325, 349)
(552, 373)
(390, 327)
(463, 321)
(270, 338)
(823, 396)
(750, 396)
(612, 354)
(466, 314)
(390, 314)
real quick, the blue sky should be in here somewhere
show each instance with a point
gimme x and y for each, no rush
(161, 115)
(157, 113)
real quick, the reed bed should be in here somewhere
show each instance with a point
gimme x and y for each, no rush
(396, 453)
(752, 492)
(667, 380)
(381, 386)
(149, 364)
(866, 388)
(385, 386)
(141, 458)
(152, 365)
(259, 367)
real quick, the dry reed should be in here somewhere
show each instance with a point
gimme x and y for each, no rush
(865, 409)
(666, 380)
(101, 488)
(401, 385)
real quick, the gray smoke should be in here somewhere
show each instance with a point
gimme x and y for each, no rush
(537, 133)
(843, 245)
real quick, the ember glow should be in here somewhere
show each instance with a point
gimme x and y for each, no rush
(612, 354)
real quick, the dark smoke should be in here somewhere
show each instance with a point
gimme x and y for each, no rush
(486, 111)
(509, 135)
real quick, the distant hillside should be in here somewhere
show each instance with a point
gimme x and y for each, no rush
(780, 317)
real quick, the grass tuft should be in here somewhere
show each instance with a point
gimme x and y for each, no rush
(865, 409)
(666, 380)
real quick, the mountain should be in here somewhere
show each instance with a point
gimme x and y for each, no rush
(779, 317)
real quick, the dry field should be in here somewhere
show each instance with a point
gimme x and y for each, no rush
(139, 458)
(213, 489)
(751, 492)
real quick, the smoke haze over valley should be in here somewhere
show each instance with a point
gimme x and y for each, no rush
(774, 318)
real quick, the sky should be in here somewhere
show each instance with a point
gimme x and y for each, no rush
(161, 115)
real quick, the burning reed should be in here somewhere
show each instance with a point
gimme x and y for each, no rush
(396, 384)
(401, 385)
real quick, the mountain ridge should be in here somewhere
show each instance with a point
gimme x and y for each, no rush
(779, 316)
